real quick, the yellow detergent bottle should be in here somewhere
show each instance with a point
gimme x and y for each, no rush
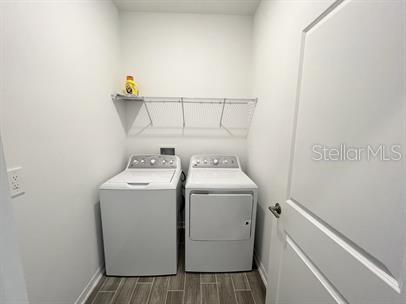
(131, 87)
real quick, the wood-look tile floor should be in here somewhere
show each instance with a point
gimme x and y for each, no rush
(182, 288)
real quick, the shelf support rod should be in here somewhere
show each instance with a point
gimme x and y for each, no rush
(183, 116)
(222, 113)
(183, 113)
(149, 114)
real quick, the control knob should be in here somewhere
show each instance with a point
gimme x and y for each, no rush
(215, 161)
(152, 161)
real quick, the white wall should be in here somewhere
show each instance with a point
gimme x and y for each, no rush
(278, 27)
(59, 123)
(12, 282)
(187, 55)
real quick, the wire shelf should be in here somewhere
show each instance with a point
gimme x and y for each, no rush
(186, 116)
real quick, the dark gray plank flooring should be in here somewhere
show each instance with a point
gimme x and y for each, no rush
(182, 288)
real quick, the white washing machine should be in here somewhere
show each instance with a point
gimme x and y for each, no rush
(221, 204)
(139, 211)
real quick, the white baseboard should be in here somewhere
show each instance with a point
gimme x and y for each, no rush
(261, 269)
(90, 286)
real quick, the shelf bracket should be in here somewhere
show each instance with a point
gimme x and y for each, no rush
(183, 116)
(183, 113)
(222, 113)
(149, 114)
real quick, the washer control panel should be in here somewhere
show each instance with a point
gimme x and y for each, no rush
(152, 161)
(215, 161)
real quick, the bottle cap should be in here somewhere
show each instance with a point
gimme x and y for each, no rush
(130, 78)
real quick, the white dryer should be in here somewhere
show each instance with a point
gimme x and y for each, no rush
(221, 204)
(139, 211)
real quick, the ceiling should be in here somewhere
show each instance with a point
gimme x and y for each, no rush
(227, 7)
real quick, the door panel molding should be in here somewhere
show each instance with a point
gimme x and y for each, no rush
(316, 21)
(369, 261)
(351, 277)
(335, 294)
(330, 9)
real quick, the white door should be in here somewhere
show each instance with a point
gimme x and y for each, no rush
(341, 235)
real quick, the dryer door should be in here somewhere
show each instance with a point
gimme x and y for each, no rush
(220, 216)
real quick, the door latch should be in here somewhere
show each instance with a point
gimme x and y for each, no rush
(276, 210)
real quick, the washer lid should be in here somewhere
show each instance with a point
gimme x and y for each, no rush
(143, 179)
(154, 176)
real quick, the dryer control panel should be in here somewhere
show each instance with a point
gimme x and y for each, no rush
(215, 161)
(152, 161)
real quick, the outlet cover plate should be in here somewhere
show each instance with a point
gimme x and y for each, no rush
(15, 181)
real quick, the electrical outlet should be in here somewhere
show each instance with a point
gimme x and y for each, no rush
(15, 181)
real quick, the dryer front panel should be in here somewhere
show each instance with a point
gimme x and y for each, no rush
(220, 216)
